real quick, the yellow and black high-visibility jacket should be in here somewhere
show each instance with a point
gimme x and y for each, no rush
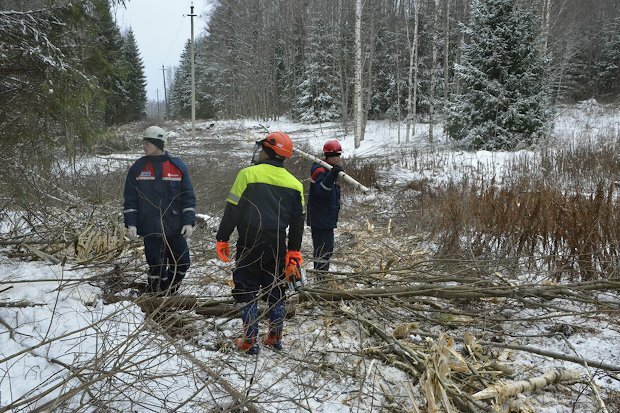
(265, 198)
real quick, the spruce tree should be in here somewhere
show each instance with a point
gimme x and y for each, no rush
(205, 105)
(503, 104)
(382, 93)
(609, 65)
(318, 98)
(134, 82)
(389, 56)
(107, 64)
(44, 91)
(179, 95)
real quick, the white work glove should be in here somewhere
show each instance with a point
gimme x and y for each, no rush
(187, 231)
(132, 232)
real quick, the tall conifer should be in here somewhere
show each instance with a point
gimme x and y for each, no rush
(504, 101)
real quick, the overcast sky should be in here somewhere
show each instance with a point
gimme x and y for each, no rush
(161, 28)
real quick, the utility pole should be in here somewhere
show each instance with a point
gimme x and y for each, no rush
(192, 15)
(163, 72)
(157, 103)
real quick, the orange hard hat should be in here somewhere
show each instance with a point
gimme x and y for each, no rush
(280, 143)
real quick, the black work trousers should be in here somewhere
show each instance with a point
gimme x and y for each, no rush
(323, 247)
(168, 260)
(259, 266)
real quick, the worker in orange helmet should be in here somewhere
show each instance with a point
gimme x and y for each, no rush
(263, 202)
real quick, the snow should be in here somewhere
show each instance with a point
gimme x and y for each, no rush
(56, 332)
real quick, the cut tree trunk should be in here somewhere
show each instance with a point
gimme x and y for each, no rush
(512, 388)
(222, 308)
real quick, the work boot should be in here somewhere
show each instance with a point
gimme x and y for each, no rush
(276, 324)
(249, 316)
(273, 340)
(249, 346)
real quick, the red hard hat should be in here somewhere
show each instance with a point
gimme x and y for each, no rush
(280, 143)
(332, 146)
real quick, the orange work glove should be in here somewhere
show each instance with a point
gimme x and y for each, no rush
(293, 261)
(222, 249)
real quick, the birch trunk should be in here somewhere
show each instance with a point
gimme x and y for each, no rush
(545, 23)
(343, 77)
(446, 55)
(359, 68)
(413, 76)
(513, 388)
(369, 77)
(398, 90)
(431, 93)
(459, 50)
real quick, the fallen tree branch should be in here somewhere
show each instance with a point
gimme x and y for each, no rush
(530, 349)
(461, 291)
(399, 349)
(23, 240)
(42, 255)
(591, 383)
(10, 329)
(240, 400)
(6, 289)
(20, 304)
(513, 388)
(415, 360)
(213, 308)
(79, 376)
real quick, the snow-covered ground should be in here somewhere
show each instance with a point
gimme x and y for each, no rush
(62, 348)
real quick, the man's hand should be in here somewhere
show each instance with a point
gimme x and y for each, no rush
(222, 249)
(292, 261)
(187, 231)
(336, 169)
(132, 232)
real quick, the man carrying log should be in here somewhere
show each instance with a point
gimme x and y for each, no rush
(263, 202)
(324, 204)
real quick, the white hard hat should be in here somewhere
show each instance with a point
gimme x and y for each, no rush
(154, 132)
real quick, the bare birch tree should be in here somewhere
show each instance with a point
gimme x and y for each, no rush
(433, 84)
(446, 55)
(343, 67)
(398, 80)
(370, 46)
(545, 21)
(459, 47)
(359, 69)
(412, 89)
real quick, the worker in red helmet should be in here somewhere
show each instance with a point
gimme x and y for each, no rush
(263, 202)
(324, 205)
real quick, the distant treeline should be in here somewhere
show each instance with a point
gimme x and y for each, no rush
(67, 72)
(264, 58)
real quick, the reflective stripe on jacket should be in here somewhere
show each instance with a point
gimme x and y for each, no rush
(323, 199)
(159, 196)
(264, 197)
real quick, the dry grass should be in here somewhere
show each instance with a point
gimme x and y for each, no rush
(557, 213)
(576, 234)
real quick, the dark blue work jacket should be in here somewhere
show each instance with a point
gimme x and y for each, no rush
(323, 199)
(159, 196)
